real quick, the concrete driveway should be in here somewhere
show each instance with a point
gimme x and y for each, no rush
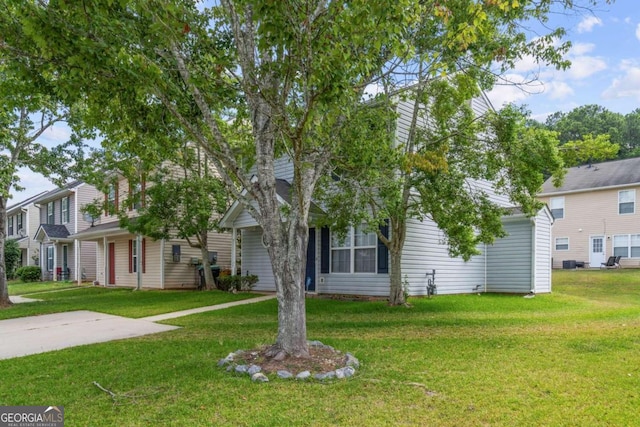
(38, 334)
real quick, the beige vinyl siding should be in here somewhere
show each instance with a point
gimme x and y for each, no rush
(85, 194)
(88, 261)
(593, 213)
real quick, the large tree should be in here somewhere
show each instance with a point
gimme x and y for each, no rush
(27, 110)
(290, 73)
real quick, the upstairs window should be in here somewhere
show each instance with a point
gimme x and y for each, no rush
(626, 202)
(64, 210)
(557, 207)
(136, 192)
(111, 200)
(10, 226)
(50, 213)
(19, 223)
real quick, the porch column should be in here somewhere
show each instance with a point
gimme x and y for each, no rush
(105, 264)
(234, 240)
(78, 250)
(55, 262)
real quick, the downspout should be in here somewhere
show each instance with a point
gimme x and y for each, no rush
(162, 263)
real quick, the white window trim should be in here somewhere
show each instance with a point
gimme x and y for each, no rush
(555, 244)
(51, 213)
(50, 256)
(64, 210)
(629, 245)
(633, 192)
(352, 248)
(551, 208)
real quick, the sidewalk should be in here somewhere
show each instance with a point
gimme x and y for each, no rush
(39, 334)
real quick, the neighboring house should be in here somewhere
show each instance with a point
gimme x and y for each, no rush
(61, 257)
(163, 264)
(596, 214)
(23, 220)
(518, 263)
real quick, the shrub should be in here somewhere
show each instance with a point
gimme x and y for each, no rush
(29, 273)
(11, 257)
(237, 283)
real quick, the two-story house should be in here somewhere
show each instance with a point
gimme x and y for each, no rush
(23, 219)
(358, 264)
(128, 260)
(596, 214)
(61, 257)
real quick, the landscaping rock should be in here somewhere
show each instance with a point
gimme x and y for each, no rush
(284, 374)
(254, 369)
(241, 369)
(351, 360)
(345, 372)
(259, 377)
(325, 376)
(303, 375)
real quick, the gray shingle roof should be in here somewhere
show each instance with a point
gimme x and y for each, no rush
(55, 231)
(598, 175)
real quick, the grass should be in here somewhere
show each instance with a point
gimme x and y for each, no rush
(564, 359)
(118, 301)
(20, 288)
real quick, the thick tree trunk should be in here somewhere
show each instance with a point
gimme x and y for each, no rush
(4, 288)
(204, 253)
(396, 244)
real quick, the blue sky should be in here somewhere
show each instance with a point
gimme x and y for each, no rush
(605, 71)
(605, 67)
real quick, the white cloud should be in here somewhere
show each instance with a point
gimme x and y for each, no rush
(585, 66)
(513, 88)
(33, 184)
(638, 31)
(558, 90)
(627, 86)
(579, 49)
(587, 24)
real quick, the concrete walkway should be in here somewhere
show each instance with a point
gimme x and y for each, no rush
(38, 334)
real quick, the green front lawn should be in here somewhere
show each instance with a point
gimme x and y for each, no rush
(118, 301)
(17, 287)
(569, 358)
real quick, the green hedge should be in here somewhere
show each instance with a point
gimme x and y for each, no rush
(29, 273)
(237, 283)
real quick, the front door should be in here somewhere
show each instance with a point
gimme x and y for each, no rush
(596, 252)
(112, 264)
(310, 272)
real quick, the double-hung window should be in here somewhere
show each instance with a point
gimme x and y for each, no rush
(557, 207)
(111, 199)
(19, 223)
(49, 258)
(355, 252)
(562, 243)
(10, 226)
(50, 213)
(626, 202)
(626, 245)
(64, 210)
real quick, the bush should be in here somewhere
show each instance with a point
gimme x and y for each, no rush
(29, 273)
(237, 283)
(11, 257)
